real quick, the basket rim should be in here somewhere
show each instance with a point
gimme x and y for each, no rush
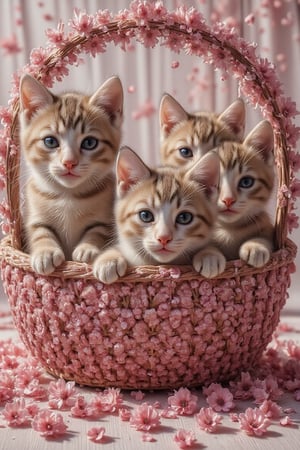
(196, 38)
(76, 270)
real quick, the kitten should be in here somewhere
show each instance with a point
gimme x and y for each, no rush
(70, 143)
(187, 137)
(162, 216)
(244, 229)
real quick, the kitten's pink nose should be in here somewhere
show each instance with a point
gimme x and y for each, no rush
(229, 201)
(164, 239)
(69, 164)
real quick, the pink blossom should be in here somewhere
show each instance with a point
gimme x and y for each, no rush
(144, 417)
(107, 401)
(271, 409)
(147, 109)
(57, 36)
(254, 422)
(266, 389)
(185, 438)
(81, 408)
(286, 422)
(96, 434)
(49, 424)
(250, 19)
(137, 395)
(208, 420)
(124, 414)
(10, 45)
(243, 389)
(16, 413)
(82, 22)
(183, 402)
(220, 399)
(61, 394)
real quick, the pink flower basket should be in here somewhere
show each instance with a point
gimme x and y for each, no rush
(159, 327)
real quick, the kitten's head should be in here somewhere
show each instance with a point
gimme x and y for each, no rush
(71, 140)
(187, 137)
(165, 215)
(246, 175)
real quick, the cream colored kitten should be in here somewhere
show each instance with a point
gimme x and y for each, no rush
(187, 137)
(70, 144)
(244, 229)
(163, 216)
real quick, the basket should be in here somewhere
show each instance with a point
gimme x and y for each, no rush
(158, 327)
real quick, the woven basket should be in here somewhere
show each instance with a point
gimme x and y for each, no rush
(159, 327)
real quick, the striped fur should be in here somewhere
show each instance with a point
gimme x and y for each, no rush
(187, 137)
(70, 144)
(244, 228)
(163, 216)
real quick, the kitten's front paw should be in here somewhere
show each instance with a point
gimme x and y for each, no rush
(85, 253)
(109, 269)
(257, 254)
(45, 262)
(209, 262)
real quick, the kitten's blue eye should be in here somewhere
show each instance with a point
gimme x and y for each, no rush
(146, 216)
(184, 218)
(186, 152)
(89, 143)
(51, 142)
(246, 182)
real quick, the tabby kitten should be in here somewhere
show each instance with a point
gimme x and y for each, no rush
(244, 229)
(162, 216)
(187, 137)
(70, 144)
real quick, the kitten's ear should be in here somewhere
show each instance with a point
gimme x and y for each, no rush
(33, 96)
(261, 139)
(235, 117)
(170, 113)
(110, 98)
(130, 169)
(206, 171)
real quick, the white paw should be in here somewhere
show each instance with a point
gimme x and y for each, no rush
(209, 262)
(109, 270)
(256, 254)
(45, 262)
(85, 253)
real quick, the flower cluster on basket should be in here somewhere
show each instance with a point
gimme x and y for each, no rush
(30, 398)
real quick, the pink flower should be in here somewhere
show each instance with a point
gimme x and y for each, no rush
(81, 408)
(96, 434)
(208, 420)
(183, 402)
(144, 417)
(82, 22)
(49, 424)
(16, 413)
(61, 394)
(124, 414)
(220, 399)
(243, 388)
(147, 109)
(10, 45)
(137, 395)
(286, 422)
(184, 438)
(254, 422)
(271, 409)
(107, 401)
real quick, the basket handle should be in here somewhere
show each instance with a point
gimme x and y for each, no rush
(163, 28)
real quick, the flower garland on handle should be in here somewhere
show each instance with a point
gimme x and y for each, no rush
(183, 29)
